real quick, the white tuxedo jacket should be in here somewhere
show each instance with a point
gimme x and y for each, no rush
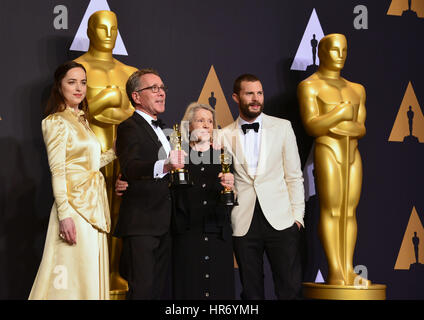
(278, 183)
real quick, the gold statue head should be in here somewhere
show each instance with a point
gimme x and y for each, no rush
(332, 52)
(102, 30)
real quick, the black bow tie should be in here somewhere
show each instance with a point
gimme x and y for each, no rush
(247, 126)
(158, 123)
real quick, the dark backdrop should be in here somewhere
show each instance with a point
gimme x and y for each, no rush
(182, 39)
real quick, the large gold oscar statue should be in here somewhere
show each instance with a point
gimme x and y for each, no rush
(109, 106)
(333, 111)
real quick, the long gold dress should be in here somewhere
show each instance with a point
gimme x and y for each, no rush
(79, 271)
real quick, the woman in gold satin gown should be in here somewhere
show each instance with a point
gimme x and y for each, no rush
(75, 262)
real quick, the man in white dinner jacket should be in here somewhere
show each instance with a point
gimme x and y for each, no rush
(269, 187)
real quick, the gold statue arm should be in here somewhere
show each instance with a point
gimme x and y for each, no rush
(110, 97)
(107, 157)
(362, 113)
(55, 135)
(315, 124)
(356, 128)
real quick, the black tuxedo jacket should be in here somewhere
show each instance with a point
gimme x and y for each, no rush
(146, 204)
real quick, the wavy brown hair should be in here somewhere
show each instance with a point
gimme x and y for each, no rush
(56, 102)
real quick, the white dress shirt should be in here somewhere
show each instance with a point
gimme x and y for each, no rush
(158, 168)
(251, 142)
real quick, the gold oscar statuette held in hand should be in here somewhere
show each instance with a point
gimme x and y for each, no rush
(227, 195)
(178, 177)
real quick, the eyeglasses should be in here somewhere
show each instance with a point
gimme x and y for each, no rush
(155, 88)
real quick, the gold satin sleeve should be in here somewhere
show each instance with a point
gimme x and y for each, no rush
(55, 134)
(107, 157)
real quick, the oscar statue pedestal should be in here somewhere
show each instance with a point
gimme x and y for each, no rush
(118, 294)
(320, 291)
(118, 287)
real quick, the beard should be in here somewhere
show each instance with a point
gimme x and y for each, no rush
(244, 110)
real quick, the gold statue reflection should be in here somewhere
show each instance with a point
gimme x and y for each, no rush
(108, 106)
(333, 111)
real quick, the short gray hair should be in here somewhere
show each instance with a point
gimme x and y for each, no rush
(189, 115)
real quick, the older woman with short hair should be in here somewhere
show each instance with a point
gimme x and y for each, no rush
(201, 227)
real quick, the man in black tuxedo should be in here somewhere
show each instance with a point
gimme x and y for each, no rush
(144, 217)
